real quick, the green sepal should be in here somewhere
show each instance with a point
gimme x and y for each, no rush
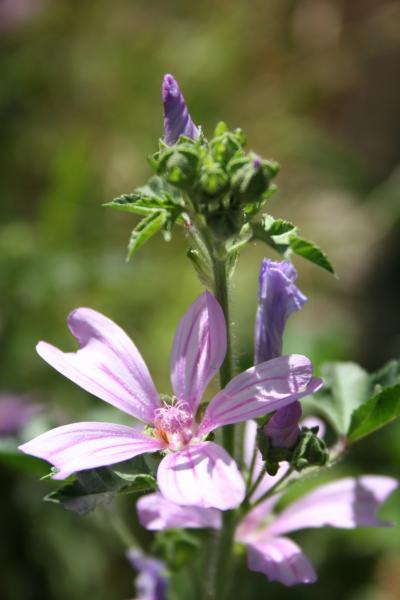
(178, 164)
(271, 456)
(310, 450)
(226, 144)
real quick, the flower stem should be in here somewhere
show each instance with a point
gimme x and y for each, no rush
(225, 539)
(277, 487)
(226, 370)
(255, 484)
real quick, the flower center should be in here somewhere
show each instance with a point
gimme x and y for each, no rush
(173, 423)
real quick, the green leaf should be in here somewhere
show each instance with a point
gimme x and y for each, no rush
(98, 487)
(347, 386)
(388, 375)
(378, 411)
(276, 227)
(259, 233)
(311, 252)
(152, 197)
(282, 236)
(145, 230)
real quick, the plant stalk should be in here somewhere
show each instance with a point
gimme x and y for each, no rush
(225, 539)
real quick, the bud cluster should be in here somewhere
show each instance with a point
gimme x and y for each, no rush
(309, 450)
(223, 184)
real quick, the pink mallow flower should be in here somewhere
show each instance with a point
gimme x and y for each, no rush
(348, 503)
(193, 471)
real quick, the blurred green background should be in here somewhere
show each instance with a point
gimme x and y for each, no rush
(314, 84)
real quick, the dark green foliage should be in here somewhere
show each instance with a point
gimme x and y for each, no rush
(98, 487)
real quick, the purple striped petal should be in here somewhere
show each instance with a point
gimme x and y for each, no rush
(260, 390)
(281, 560)
(177, 119)
(80, 446)
(278, 298)
(157, 513)
(348, 503)
(198, 350)
(248, 529)
(108, 364)
(202, 474)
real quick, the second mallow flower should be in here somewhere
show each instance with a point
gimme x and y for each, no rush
(193, 471)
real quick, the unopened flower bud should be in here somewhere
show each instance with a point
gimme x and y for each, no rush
(177, 120)
(178, 165)
(213, 180)
(283, 427)
(249, 180)
(225, 145)
(310, 451)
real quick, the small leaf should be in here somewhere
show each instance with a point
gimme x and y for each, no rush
(259, 233)
(145, 230)
(282, 236)
(311, 252)
(153, 196)
(98, 487)
(377, 412)
(277, 226)
(347, 386)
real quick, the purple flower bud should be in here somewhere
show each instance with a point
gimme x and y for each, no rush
(177, 120)
(278, 298)
(151, 582)
(283, 428)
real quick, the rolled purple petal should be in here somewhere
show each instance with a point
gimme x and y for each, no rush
(80, 446)
(108, 364)
(15, 413)
(262, 389)
(278, 298)
(157, 514)
(283, 427)
(177, 120)
(203, 475)
(281, 560)
(151, 582)
(198, 350)
(347, 504)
